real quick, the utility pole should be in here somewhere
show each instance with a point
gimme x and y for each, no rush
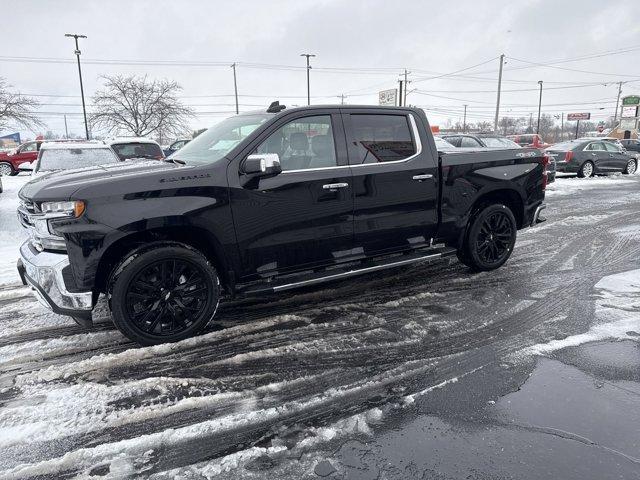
(77, 52)
(308, 55)
(406, 87)
(342, 99)
(66, 130)
(235, 87)
(615, 115)
(400, 96)
(464, 120)
(495, 122)
(539, 107)
(562, 126)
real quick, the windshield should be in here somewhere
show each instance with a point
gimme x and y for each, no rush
(219, 140)
(68, 158)
(499, 142)
(137, 150)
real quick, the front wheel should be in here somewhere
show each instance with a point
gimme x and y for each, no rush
(164, 293)
(490, 238)
(631, 167)
(586, 170)
(6, 170)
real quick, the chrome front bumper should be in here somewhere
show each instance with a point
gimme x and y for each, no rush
(42, 271)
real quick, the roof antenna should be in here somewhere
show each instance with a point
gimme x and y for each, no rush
(275, 107)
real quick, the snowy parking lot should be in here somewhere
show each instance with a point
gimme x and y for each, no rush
(425, 372)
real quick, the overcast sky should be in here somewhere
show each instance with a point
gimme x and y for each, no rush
(377, 39)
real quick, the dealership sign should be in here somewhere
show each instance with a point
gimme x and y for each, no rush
(629, 111)
(628, 123)
(631, 100)
(388, 97)
(578, 116)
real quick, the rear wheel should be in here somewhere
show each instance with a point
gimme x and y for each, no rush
(586, 170)
(5, 169)
(631, 167)
(490, 238)
(165, 293)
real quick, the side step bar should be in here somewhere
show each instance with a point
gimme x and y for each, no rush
(338, 274)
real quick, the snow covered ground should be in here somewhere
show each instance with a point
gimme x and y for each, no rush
(280, 382)
(11, 233)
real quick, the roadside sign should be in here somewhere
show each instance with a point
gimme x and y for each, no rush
(435, 128)
(628, 124)
(388, 97)
(631, 100)
(578, 116)
(629, 111)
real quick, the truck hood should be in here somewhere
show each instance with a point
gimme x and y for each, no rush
(61, 185)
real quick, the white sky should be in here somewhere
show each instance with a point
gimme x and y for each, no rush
(429, 38)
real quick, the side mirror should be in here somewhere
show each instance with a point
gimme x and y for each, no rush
(26, 167)
(262, 165)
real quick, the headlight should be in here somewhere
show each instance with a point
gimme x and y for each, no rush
(72, 209)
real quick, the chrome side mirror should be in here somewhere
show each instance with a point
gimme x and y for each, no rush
(262, 164)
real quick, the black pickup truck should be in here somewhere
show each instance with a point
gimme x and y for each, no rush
(268, 201)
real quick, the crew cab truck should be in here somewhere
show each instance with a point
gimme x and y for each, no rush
(265, 202)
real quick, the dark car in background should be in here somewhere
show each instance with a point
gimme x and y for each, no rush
(632, 146)
(175, 146)
(479, 140)
(136, 147)
(591, 156)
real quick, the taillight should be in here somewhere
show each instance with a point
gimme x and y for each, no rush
(568, 156)
(546, 160)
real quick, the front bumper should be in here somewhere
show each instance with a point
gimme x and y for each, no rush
(42, 271)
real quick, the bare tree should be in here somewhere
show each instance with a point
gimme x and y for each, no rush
(139, 106)
(17, 108)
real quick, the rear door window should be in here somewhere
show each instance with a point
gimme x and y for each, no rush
(381, 138)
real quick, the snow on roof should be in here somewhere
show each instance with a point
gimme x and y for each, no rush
(70, 145)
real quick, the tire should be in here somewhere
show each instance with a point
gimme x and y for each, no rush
(631, 167)
(162, 293)
(587, 169)
(490, 238)
(6, 170)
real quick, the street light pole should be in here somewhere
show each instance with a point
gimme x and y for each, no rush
(235, 87)
(308, 55)
(77, 52)
(539, 107)
(495, 122)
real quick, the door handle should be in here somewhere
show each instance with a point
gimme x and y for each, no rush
(611, 154)
(334, 186)
(424, 176)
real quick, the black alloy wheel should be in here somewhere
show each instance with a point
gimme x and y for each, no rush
(163, 294)
(490, 238)
(166, 297)
(494, 239)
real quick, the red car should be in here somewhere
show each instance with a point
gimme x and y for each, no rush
(10, 162)
(531, 140)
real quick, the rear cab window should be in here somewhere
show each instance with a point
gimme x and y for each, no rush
(137, 150)
(381, 138)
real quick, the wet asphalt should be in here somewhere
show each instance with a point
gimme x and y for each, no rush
(430, 360)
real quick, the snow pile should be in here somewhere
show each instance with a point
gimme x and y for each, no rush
(617, 313)
(11, 232)
(572, 185)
